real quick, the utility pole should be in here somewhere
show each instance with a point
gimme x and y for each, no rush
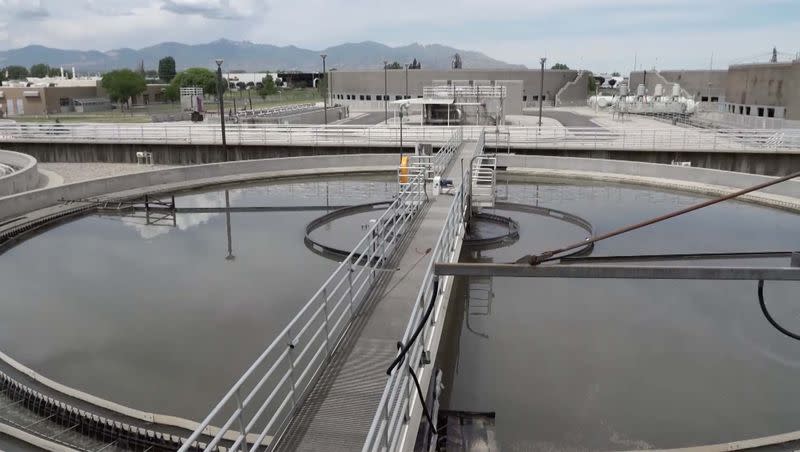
(385, 93)
(325, 94)
(220, 93)
(541, 90)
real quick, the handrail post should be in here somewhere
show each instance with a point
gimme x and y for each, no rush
(350, 287)
(292, 379)
(325, 313)
(386, 430)
(242, 426)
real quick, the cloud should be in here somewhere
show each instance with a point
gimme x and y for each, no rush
(213, 9)
(24, 9)
(109, 8)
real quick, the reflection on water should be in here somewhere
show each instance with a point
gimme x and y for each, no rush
(620, 364)
(161, 317)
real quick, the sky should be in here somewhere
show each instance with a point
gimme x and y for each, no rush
(602, 36)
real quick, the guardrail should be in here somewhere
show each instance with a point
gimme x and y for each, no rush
(267, 395)
(666, 138)
(399, 400)
(436, 164)
(269, 392)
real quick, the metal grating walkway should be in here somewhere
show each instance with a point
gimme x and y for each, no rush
(338, 412)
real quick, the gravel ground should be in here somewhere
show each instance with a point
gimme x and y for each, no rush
(76, 172)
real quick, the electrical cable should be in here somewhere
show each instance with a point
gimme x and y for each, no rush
(771, 320)
(405, 347)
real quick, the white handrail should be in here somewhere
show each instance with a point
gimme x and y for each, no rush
(271, 390)
(666, 138)
(398, 403)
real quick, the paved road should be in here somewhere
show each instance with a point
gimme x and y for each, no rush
(367, 119)
(566, 118)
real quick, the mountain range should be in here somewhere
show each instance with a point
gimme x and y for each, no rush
(248, 56)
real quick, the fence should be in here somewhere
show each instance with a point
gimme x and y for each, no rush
(596, 138)
(399, 400)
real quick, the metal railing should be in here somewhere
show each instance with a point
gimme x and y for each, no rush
(436, 164)
(400, 401)
(267, 395)
(666, 138)
(464, 91)
(483, 178)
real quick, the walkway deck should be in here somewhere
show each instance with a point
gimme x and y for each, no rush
(337, 414)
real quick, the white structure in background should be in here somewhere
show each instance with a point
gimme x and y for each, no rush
(607, 81)
(192, 98)
(248, 80)
(659, 102)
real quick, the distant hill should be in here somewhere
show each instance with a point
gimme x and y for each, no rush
(244, 55)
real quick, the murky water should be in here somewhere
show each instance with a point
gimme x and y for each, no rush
(621, 364)
(161, 316)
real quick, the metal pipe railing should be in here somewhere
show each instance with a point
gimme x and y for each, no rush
(304, 346)
(399, 402)
(667, 138)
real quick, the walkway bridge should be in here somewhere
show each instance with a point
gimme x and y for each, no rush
(322, 384)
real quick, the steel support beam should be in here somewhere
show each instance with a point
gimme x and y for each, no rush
(620, 272)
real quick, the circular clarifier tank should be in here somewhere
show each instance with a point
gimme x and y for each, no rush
(160, 311)
(568, 364)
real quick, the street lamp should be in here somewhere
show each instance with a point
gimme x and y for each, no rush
(385, 94)
(541, 91)
(406, 65)
(220, 93)
(325, 94)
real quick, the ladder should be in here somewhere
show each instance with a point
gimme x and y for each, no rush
(483, 181)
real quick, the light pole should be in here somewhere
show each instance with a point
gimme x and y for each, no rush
(325, 94)
(541, 90)
(406, 65)
(220, 93)
(385, 94)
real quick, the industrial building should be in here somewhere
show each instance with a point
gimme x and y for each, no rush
(743, 91)
(366, 89)
(64, 96)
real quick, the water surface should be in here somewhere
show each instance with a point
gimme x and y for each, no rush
(621, 364)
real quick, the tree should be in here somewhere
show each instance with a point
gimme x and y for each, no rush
(560, 66)
(151, 74)
(39, 70)
(172, 93)
(123, 84)
(615, 74)
(268, 87)
(166, 69)
(199, 76)
(54, 72)
(15, 72)
(394, 65)
(415, 64)
(592, 85)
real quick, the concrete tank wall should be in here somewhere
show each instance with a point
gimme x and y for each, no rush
(184, 177)
(171, 154)
(26, 176)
